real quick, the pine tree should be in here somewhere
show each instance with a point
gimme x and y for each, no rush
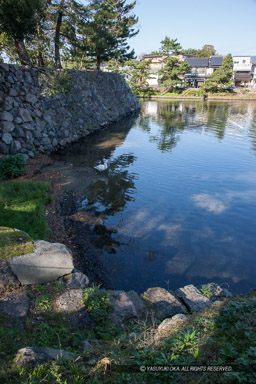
(171, 73)
(170, 47)
(105, 36)
(138, 74)
(66, 15)
(19, 20)
(221, 79)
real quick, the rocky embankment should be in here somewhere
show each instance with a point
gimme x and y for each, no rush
(52, 263)
(43, 110)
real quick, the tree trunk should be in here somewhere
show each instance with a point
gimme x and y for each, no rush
(81, 62)
(40, 59)
(98, 63)
(22, 52)
(57, 39)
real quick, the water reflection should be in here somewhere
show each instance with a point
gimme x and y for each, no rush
(178, 201)
(212, 117)
(111, 193)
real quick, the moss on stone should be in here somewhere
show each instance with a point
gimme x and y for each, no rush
(14, 243)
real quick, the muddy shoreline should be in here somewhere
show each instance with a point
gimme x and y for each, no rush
(65, 224)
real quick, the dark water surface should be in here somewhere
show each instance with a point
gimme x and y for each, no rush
(177, 204)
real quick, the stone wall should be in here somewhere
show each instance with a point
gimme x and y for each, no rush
(36, 115)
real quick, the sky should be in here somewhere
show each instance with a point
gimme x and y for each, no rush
(229, 25)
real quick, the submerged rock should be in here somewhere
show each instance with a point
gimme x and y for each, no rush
(163, 302)
(192, 297)
(32, 356)
(48, 262)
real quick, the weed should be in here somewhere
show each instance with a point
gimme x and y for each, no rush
(12, 166)
(97, 303)
(206, 291)
(43, 304)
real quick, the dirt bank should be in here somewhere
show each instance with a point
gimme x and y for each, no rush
(66, 225)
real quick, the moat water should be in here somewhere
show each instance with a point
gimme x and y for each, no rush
(177, 204)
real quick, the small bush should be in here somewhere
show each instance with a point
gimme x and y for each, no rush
(194, 92)
(97, 303)
(12, 166)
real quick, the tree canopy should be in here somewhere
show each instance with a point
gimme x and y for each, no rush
(19, 20)
(105, 36)
(44, 32)
(170, 46)
(207, 50)
(221, 79)
(171, 74)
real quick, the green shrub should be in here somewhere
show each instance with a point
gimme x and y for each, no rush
(194, 92)
(97, 303)
(12, 166)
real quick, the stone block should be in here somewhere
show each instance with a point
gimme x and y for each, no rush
(48, 262)
(192, 297)
(7, 138)
(164, 303)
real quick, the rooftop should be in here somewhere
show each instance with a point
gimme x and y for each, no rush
(216, 61)
(198, 62)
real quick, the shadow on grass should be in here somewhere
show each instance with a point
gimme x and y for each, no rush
(221, 336)
(23, 205)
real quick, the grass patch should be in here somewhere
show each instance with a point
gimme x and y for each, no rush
(222, 335)
(13, 243)
(22, 206)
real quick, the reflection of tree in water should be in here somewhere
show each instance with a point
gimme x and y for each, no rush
(252, 131)
(173, 118)
(110, 194)
(171, 121)
(217, 118)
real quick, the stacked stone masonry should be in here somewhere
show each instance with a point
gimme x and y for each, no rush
(33, 122)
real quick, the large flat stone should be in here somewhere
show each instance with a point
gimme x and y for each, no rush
(192, 297)
(33, 356)
(164, 303)
(48, 262)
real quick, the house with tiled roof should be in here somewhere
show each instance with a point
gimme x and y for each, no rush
(201, 69)
(157, 63)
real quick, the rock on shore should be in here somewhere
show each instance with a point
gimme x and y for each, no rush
(48, 262)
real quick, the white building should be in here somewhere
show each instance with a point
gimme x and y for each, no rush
(244, 71)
